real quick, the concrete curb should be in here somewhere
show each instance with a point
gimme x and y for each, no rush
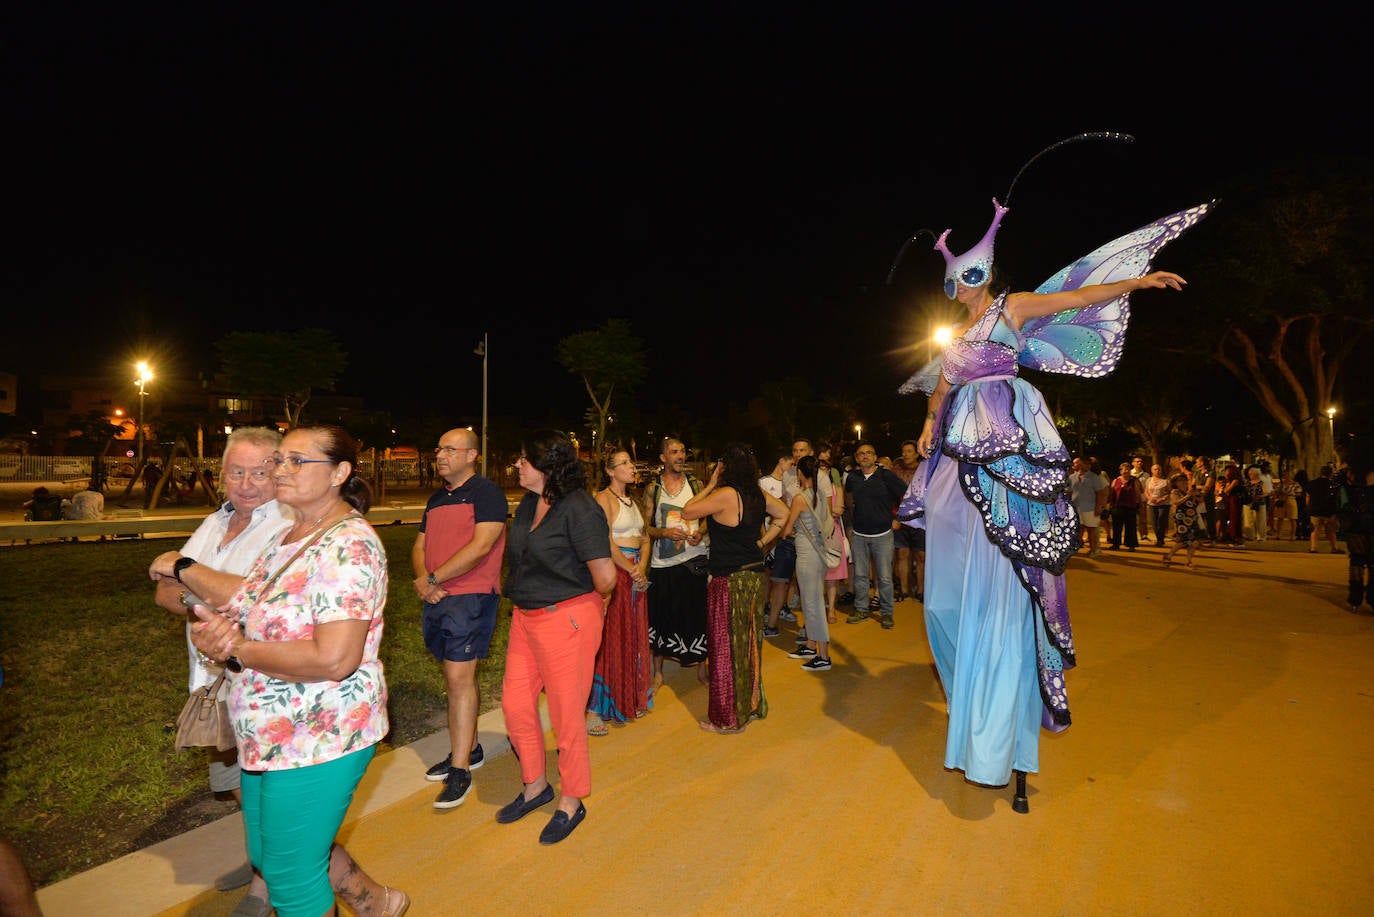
(168, 873)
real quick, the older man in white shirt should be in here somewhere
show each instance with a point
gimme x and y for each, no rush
(228, 542)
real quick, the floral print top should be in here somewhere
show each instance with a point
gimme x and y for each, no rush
(281, 724)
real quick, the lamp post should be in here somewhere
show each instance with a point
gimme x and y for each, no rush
(481, 351)
(145, 375)
(1331, 419)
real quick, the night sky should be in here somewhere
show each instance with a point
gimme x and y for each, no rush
(736, 185)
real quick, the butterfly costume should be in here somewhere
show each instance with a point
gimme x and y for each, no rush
(993, 499)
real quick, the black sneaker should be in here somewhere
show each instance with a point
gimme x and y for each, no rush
(818, 664)
(802, 652)
(801, 636)
(888, 623)
(440, 771)
(770, 631)
(457, 785)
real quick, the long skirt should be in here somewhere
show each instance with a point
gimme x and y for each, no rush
(620, 683)
(735, 643)
(980, 623)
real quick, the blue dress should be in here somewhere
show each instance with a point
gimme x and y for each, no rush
(1000, 529)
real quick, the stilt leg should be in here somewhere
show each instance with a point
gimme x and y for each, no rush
(1019, 803)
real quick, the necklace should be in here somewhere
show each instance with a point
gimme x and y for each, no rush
(314, 525)
(624, 501)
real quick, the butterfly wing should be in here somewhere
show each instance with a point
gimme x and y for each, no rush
(1087, 341)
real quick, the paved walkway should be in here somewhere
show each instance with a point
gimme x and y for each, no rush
(1219, 764)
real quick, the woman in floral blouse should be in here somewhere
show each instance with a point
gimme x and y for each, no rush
(309, 705)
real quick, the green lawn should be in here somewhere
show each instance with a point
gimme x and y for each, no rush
(95, 675)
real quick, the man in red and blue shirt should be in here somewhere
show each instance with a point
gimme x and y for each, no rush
(457, 563)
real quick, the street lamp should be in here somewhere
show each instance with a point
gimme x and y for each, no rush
(481, 351)
(858, 432)
(1331, 419)
(145, 375)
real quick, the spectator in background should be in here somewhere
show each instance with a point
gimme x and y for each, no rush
(839, 574)
(904, 537)
(735, 507)
(1304, 529)
(1204, 476)
(1125, 499)
(1285, 506)
(1183, 497)
(1355, 513)
(1321, 507)
(1088, 492)
(1255, 512)
(871, 497)
(621, 688)
(85, 504)
(43, 506)
(1230, 501)
(1157, 501)
(1143, 510)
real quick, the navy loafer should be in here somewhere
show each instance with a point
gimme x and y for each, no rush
(521, 807)
(561, 825)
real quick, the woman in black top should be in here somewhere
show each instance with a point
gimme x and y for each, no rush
(560, 570)
(734, 506)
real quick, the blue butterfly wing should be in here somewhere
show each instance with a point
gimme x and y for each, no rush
(924, 379)
(1088, 341)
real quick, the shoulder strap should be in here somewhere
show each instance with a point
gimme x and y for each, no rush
(301, 550)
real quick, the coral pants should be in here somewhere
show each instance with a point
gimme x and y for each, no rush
(553, 650)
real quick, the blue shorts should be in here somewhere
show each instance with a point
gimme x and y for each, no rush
(905, 537)
(458, 628)
(784, 561)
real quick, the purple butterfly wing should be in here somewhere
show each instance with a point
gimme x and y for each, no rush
(1088, 341)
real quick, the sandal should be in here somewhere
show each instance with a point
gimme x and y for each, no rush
(596, 726)
(402, 902)
(719, 730)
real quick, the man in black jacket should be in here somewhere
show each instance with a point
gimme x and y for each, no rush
(871, 495)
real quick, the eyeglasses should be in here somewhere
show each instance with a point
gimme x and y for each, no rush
(257, 475)
(450, 450)
(293, 463)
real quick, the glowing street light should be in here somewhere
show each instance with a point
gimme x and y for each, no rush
(145, 375)
(858, 431)
(1331, 419)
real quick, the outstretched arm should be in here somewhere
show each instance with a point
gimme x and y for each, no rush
(1021, 307)
(925, 445)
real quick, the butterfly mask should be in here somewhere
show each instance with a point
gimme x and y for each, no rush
(974, 267)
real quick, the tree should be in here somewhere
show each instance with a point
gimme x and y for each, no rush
(283, 364)
(607, 358)
(1288, 291)
(90, 434)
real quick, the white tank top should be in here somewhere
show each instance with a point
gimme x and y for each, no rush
(629, 522)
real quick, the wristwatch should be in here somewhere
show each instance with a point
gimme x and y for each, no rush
(233, 664)
(431, 580)
(180, 565)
